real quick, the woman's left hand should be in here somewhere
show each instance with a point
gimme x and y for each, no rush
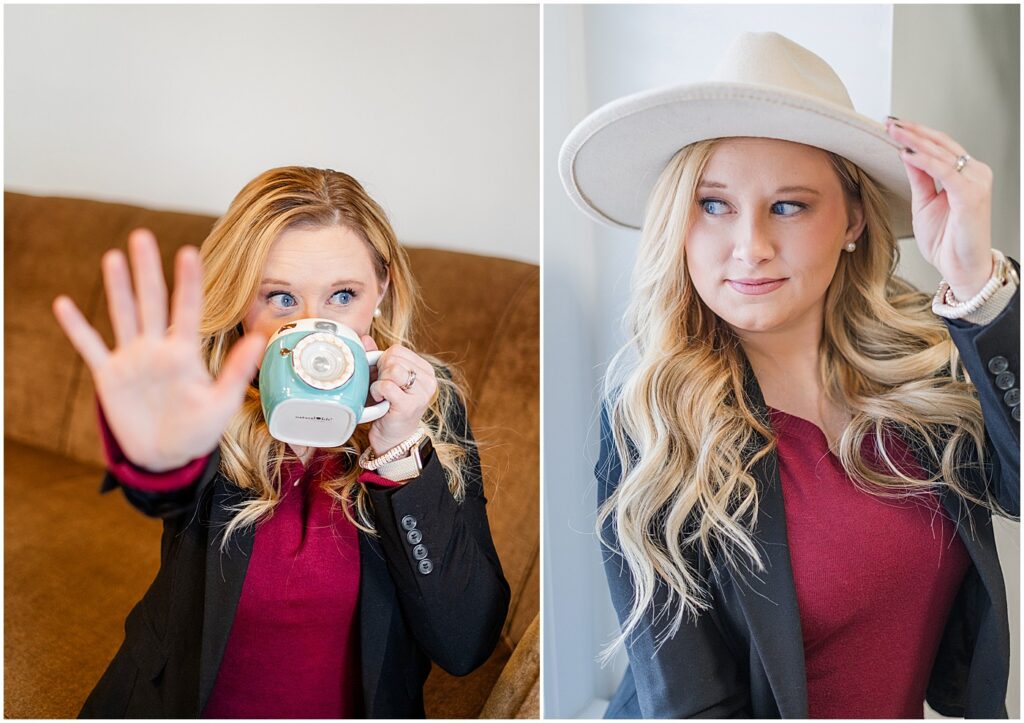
(408, 382)
(953, 227)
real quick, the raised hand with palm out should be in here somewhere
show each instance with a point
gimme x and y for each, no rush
(158, 397)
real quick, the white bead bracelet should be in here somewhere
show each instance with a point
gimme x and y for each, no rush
(368, 461)
(945, 303)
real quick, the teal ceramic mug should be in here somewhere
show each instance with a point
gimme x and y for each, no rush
(314, 379)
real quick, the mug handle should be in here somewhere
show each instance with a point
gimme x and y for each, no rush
(381, 408)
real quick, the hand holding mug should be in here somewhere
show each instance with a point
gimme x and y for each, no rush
(408, 382)
(160, 401)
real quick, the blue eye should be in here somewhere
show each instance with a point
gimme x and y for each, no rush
(345, 296)
(274, 294)
(709, 204)
(798, 206)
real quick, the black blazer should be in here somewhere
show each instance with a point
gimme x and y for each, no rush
(176, 635)
(745, 657)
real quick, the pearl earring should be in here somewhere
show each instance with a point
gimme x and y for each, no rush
(376, 312)
(851, 247)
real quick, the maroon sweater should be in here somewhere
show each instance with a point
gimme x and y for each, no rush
(293, 650)
(875, 579)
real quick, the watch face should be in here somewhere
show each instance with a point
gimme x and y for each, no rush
(423, 451)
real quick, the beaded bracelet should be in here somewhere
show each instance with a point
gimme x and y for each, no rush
(945, 303)
(368, 461)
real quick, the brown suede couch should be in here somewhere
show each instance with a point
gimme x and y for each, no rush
(76, 561)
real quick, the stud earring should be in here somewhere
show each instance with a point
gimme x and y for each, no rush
(851, 247)
(376, 312)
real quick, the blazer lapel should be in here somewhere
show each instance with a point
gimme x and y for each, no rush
(981, 544)
(377, 605)
(225, 574)
(768, 598)
(973, 524)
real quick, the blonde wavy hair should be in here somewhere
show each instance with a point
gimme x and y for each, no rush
(687, 437)
(234, 256)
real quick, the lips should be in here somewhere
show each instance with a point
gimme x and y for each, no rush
(755, 287)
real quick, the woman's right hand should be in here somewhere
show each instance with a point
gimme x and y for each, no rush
(159, 400)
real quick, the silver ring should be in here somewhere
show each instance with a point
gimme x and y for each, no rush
(410, 381)
(961, 162)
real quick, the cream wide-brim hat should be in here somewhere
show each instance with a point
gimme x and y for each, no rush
(767, 86)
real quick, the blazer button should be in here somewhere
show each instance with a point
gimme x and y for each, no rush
(426, 566)
(1015, 413)
(998, 364)
(414, 537)
(1005, 380)
(419, 552)
(408, 522)
(1012, 397)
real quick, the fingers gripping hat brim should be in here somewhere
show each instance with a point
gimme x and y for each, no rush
(612, 159)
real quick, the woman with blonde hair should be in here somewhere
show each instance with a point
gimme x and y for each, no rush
(801, 453)
(294, 581)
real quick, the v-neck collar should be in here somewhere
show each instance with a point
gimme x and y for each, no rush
(790, 420)
(786, 421)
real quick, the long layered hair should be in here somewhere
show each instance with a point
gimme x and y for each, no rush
(233, 257)
(687, 437)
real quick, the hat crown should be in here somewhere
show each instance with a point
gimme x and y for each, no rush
(774, 60)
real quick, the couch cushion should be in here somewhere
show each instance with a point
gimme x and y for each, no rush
(75, 564)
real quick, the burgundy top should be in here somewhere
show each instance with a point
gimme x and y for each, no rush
(875, 578)
(293, 649)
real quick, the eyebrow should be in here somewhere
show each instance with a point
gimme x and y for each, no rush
(339, 282)
(782, 189)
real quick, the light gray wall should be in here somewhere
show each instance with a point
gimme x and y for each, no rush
(432, 107)
(594, 54)
(957, 68)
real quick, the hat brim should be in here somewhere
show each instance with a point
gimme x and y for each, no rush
(610, 162)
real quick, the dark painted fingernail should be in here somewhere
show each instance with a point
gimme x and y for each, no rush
(911, 151)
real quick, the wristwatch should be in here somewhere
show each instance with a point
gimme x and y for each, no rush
(409, 466)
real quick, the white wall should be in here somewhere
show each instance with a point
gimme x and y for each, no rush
(574, 595)
(594, 54)
(433, 108)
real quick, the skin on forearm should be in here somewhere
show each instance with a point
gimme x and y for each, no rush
(964, 290)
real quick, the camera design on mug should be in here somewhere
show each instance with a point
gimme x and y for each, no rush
(314, 380)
